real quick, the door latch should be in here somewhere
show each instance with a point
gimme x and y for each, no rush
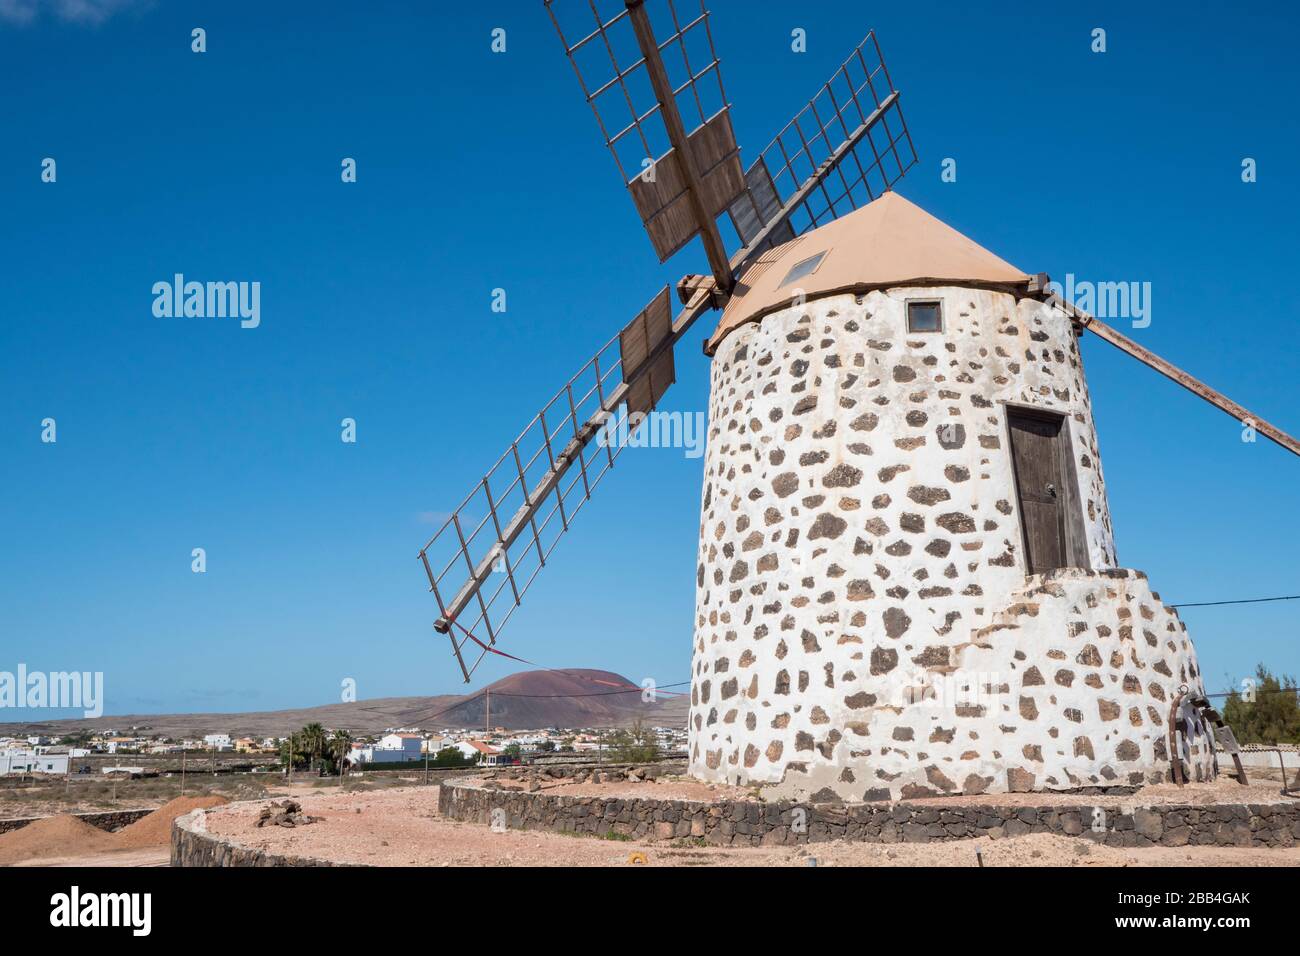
(1051, 489)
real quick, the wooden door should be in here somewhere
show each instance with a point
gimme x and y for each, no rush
(1037, 456)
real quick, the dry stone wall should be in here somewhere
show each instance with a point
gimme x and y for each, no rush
(193, 845)
(751, 823)
(864, 625)
(109, 820)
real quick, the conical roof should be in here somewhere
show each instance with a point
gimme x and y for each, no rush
(888, 242)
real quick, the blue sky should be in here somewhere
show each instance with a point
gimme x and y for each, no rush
(479, 170)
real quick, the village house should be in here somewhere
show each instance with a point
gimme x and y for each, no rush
(391, 748)
(114, 745)
(485, 754)
(408, 744)
(51, 760)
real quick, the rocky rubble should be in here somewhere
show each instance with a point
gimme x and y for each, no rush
(284, 813)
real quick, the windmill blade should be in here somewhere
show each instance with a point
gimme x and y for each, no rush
(1167, 369)
(846, 147)
(680, 182)
(488, 552)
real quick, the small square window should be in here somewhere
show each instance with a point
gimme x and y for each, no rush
(925, 316)
(805, 268)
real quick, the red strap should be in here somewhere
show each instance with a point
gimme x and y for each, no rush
(493, 649)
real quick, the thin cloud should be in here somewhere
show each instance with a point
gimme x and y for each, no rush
(81, 12)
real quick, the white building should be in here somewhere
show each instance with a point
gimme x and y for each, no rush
(432, 745)
(391, 748)
(485, 754)
(29, 761)
(407, 744)
(217, 741)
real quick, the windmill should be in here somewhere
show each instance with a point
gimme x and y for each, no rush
(907, 580)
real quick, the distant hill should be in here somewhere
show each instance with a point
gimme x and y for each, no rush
(571, 698)
(532, 699)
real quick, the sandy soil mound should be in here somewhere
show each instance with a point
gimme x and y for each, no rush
(57, 836)
(156, 828)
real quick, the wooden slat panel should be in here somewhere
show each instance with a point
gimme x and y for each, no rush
(722, 184)
(672, 227)
(639, 338)
(644, 392)
(664, 204)
(652, 196)
(713, 147)
(659, 318)
(662, 374)
(758, 206)
(713, 141)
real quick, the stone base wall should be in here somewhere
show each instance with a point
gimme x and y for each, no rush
(192, 845)
(1069, 685)
(750, 823)
(110, 820)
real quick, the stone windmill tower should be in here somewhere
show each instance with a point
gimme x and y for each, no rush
(907, 581)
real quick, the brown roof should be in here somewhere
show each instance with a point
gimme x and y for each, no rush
(888, 242)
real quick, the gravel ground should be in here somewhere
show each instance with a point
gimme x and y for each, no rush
(401, 827)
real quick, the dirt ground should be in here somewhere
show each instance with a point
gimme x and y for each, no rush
(401, 827)
(63, 839)
(150, 856)
(60, 839)
(395, 822)
(98, 795)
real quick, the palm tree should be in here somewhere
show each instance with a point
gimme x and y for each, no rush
(338, 747)
(313, 742)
